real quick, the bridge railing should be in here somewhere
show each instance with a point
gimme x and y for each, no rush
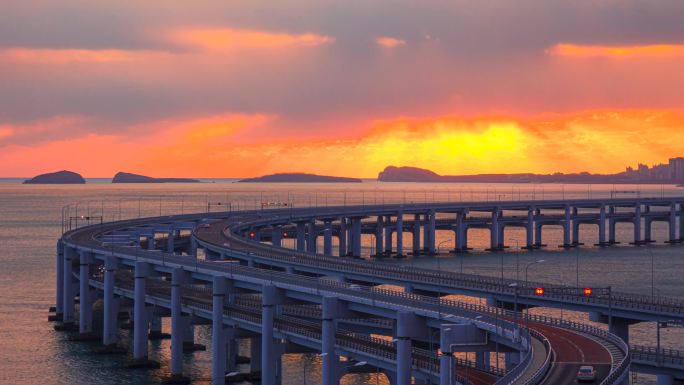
(659, 356)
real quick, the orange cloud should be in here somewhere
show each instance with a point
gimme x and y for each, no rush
(594, 141)
(655, 50)
(67, 56)
(221, 39)
(389, 42)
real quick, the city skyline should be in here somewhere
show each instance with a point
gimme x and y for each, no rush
(235, 91)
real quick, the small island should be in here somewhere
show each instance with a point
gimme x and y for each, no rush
(126, 177)
(299, 178)
(59, 177)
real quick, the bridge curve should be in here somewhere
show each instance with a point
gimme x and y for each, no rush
(271, 269)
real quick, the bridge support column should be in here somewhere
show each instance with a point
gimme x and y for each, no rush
(431, 230)
(68, 301)
(673, 223)
(85, 308)
(648, 224)
(140, 317)
(494, 230)
(575, 228)
(327, 238)
(567, 223)
(482, 360)
(218, 341)
(311, 241)
(416, 234)
(400, 234)
(356, 237)
(301, 236)
(59, 280)
(445, 363)
(151, 242)
(637, 224)
(111, 308)
(329, 359)
(530, 229)
(379, 228)
(269, 298)
(602, 226)
(193, 247)
(388, 235)
(611, 230)
(178, 277)
(343, 237)
(170, 241)
(408, 326)
(276, 236)
(512, 360)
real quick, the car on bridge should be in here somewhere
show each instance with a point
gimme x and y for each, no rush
(586, 373)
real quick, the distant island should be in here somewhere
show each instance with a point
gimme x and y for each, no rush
(664, 175)
(299, 178)
(125, 177)
(59, 177)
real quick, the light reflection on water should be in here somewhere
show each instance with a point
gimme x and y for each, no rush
(32, 353)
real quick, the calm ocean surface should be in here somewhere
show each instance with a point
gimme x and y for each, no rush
(30, 223)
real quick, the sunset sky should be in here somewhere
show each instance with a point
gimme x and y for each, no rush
(243, 88)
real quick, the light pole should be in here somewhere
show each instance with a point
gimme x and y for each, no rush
(515, 303)
(530, 264)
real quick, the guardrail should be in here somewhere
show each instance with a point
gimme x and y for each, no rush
(659, 356)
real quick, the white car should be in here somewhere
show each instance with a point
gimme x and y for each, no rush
(586, 373)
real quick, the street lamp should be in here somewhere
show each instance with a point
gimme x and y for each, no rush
(530, 264)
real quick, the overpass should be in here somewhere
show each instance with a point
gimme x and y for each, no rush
(282, 278)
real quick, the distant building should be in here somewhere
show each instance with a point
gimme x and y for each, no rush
(677, 168)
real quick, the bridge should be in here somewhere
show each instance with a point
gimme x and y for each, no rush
(230, 269)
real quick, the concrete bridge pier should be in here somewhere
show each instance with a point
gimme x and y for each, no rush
(301, 236)
(529, 226)
(602, 226)
(408, 326)
(400, 234)
(59, 281)
(69, 302)
(575, 233)
(356, 237)
(111, 304)
(429, 232)
(538, 241)
(330, 311)
(388, 235)
(494, 230)
(379, 228)
(672, 222)
(343, 237)
(648, 224)
(276, 236)
(637, 225)
(218, 337)
(311, 238)
(416, 234)
(611, 228)
(85, 308)
(140, 316)
(512, 359)
(567, 222)
(445, 365)
(178, 278)
(270, 297)
(482, 360)
(170, 241)
(327, 238)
